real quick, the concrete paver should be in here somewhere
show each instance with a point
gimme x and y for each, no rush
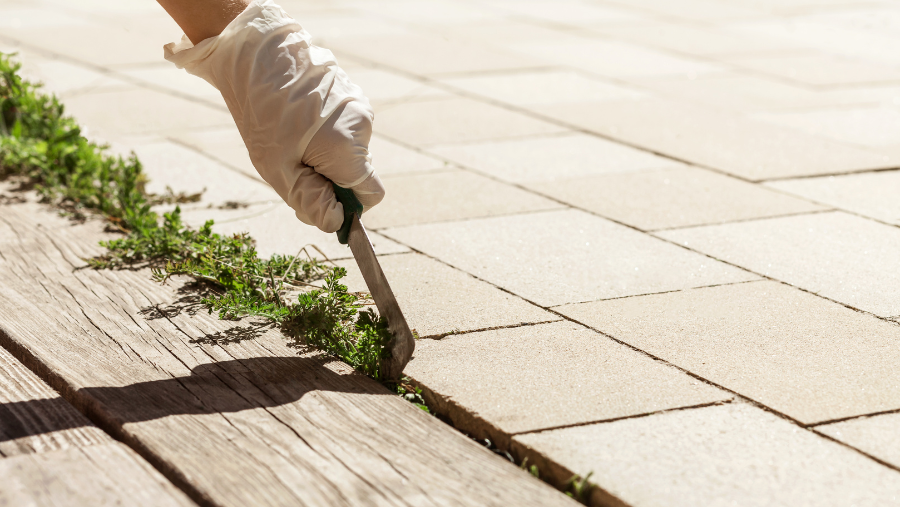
(223, 144)
(141, 111)
(544, 87)
(438, 300)
(552, 157)
(799, 354)
(455, 121)
(877, 435)
(558, 257)
(871, 194)
(667, 198)
(855, 260)
(391, 158)
(865, 126)
(733, 454)
(437, 197)
(557, 374)
(818, 69)
(277, 231)
(739, 146)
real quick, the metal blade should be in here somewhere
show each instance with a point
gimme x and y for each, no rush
(403, 343)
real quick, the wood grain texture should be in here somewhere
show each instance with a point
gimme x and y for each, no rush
(226, 410)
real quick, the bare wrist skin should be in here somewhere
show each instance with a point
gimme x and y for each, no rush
(202, 19)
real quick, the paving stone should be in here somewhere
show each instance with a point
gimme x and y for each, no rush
(455, 121)
(544, 87)
(381, 86)
(870, 194)
(536, 377)
(277, 231)
(732, 454)
(552, 158)
(437, 299)
(140, 111)
(743, 92)
(449, 195)
(804, 356)
(223, 144)
(620, 59)
(390, 158)
(749, 149)
(697, 10)
(692, 39)
(839, 256)
(818, 69)
(182, 169)
(570, 13)
(878, 435)
(667, 198)
(169, 77)
(67, 79)
(428, 54)
(559, 257)
(866, 126)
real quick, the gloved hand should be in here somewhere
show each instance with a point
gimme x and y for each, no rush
(301, 118)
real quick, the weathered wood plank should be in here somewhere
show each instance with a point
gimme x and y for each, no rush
(98, 475)
(235, 421)
(51, 454)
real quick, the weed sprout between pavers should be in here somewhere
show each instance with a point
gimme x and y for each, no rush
(45, 148)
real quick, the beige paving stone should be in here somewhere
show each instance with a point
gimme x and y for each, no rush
(170, 165)
(870, 194)
(535, 377)
(437, 299)
(749, 149)
(698, 10)
(878, 435)
(140, 111)
(866, 126)
(384, 87)
(424, 54)
(552, 158)
(818, 69)
(843, 257)
(169, 77)
(449, 195)
(544, 87)
(570, 12)
(559, 257)
(667, 198)
(750, 93)
(804, 356)
(732, 454)
(692, 39)
(620, 59)
(224, 144)
(455, 121)
(67, 79)
(277, 231)
(390, 158)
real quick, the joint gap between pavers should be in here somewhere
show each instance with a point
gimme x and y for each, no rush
(626, 417)
(441, 336)
(839, 173)
(209, 156)
(741, 220)
(655, 293)
(848, 446)
(854, 417)
(469, 219)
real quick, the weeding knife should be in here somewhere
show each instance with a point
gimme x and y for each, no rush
(353, 233)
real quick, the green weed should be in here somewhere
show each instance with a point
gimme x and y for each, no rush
(46, 148)
(579, 488)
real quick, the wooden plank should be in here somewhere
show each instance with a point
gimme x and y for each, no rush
(235, 421)
(51, 454)
(107, 474)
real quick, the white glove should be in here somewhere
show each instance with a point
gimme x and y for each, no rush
(299, 115)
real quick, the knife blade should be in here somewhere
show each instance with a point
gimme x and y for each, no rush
(353, 233)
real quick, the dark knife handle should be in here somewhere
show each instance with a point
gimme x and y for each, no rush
(351, 204)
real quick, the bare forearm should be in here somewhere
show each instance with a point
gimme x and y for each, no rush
(202, 19)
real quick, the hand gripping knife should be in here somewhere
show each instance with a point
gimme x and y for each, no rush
(352, 233)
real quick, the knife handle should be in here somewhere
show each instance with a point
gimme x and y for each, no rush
(351, 204)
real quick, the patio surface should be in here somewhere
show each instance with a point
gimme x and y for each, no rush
(652, 240)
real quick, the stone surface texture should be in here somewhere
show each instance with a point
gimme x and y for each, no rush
(710, 185)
